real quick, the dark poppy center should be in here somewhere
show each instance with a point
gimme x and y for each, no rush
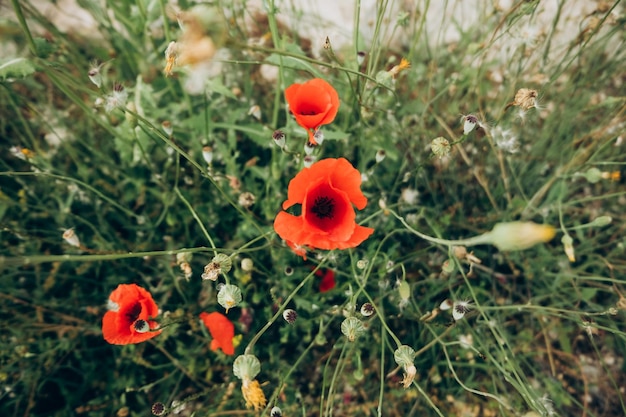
(309, 110)
(323, 207)
(133, 313)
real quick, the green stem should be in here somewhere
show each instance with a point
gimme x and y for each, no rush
(280, 310)
(74, 180)
(197, 219)
(483, 239)
(24, 25)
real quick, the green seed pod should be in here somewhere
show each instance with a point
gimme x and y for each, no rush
(404, 356)
(246, 367)
(352, 328)
(229, 296)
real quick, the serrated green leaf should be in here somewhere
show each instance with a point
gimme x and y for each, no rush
(16, 67)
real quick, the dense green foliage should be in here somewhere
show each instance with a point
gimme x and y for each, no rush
(151, 174)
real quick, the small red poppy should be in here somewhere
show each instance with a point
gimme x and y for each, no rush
(128, 319)
(326, 191)
(328, 279)
(222, 331)
(314, 103)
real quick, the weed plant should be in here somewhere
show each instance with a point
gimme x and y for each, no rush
(115, 171)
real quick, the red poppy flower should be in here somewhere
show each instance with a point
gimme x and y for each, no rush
(128, 319)
(328, 279)
(222, 331)
(314, 103)
(326, 191)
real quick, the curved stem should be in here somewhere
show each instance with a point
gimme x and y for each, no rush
(483, 239)
(280, 310)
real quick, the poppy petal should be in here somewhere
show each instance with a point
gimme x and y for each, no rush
(328, 280)
(327, 210)
(313, 104)
(360, 234)
(300, 183)
(344, 177)
(222, 331)
(290, 227)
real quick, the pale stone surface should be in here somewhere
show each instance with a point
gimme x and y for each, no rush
(445, 22)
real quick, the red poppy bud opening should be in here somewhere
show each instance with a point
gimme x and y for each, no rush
(313, 103)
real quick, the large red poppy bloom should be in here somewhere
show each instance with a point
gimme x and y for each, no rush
(314, 103)
(222, 331)
(128, 319)
(327, 190)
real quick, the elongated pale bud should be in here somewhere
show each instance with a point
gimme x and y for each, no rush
(513, 236)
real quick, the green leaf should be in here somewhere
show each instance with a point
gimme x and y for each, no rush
(16, 67)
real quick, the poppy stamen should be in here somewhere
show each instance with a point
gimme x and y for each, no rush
(323, 207)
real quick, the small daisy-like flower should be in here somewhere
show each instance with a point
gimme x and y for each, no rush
(380, 156)
(460, 308)
(290, 315)
(276, 412)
